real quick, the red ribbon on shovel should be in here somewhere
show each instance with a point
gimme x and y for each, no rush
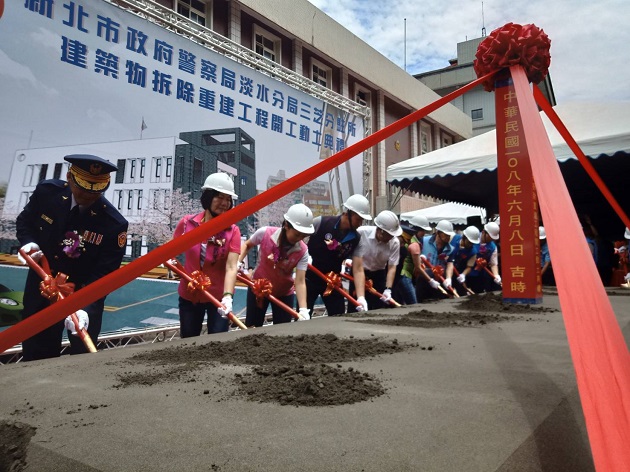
(198, 284)
(263, 288)
(57, 288)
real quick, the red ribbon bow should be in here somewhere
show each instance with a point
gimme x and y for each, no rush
(438, 271)
(51, 287)
(200, 283)
(261, 289)
(333, 281)
(511, 45)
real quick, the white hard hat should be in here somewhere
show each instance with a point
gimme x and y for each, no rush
(541, 232)
(627, 233)
(360, 205)
(492, 228)
(388, 222)
(446, 227)
(420, 221)
(301, 218)
(472, 234)
(221, 182)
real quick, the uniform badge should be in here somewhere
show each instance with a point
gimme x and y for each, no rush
(47, 219)
(122, 239)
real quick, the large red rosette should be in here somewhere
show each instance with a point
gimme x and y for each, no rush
(511, 45)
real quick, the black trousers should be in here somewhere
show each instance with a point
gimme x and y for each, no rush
(335, 302)
(47, 343)
(379, 279)
(256, 315)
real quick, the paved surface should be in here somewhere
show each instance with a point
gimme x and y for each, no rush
(502, 397)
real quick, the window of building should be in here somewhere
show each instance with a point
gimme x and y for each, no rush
(447, 140)
(476, 114)
(157, 169)
(143, 164)
(42, 172)
(129, 202)
(362, 96)
(120, 173)
(169, 168)
(118, 198)
(57, 171)
(132, 170)
(199, 11)
(266, 44)
(24, 196)
(139, 207)
(321, 73)
(167, 200)
(425, 138)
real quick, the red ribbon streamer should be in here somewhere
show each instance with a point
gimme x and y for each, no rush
(598, 348)
(48, 316)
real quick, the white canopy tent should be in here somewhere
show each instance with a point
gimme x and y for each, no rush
(456, 213)
(466, 171)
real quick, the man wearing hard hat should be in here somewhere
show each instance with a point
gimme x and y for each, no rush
(462, 259)
(335, 240)
(376, 259)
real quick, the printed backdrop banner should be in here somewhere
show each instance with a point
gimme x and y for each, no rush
(81, 72)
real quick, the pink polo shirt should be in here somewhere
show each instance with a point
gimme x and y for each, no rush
(215, 258)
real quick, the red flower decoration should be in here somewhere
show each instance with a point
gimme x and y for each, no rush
(511, 45)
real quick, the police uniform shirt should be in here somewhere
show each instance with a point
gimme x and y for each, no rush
(376, 255)
(47, 219)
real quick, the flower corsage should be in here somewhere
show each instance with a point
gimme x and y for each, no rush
(73, 244)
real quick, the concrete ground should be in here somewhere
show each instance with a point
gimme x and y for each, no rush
(501, 397)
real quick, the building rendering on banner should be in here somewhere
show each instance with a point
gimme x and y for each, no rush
(477, 103)
(199, 82)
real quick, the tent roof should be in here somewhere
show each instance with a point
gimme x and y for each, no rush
(466, 171)
(456, 213)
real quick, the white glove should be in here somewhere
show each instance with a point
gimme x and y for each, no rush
(305, 314)
(363, 304)
(447, 283)
(434, 284)
(387, 295)
(497, 279)
(84, 321)
(31, 247)
(461, 278)
(226, 301)
(423, 257)
(627, 277)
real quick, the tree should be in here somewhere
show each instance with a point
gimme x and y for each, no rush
(161, 216)
(273, 214)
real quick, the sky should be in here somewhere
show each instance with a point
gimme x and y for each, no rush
(590, 52)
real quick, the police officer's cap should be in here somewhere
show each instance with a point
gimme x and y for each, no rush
(90, 173)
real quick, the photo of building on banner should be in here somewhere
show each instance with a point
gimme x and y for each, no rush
(88, 77)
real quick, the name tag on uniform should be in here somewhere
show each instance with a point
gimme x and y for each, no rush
(47, 219)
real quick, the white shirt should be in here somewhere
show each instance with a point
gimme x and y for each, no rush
(376, 256)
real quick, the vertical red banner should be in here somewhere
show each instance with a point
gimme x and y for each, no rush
(518, 204)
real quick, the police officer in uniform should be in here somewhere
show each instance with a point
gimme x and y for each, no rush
(334, 241)
(81, 234)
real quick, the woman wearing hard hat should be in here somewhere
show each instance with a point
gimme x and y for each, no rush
(216, 258)
(281, 251)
